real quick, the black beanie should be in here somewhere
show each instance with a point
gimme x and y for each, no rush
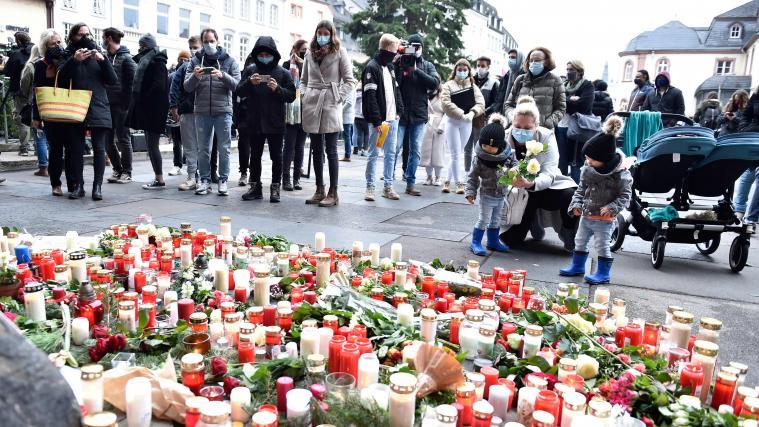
(603, 145)
(416, 38)
(493, 134)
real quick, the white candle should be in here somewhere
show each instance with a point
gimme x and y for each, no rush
(173, 314)
(498, 396)
(139, 402)
(320, 241)
(473, 269)
(127, 315)
(402, 404)
(3, 243)
(78, 266)
(169, 297)
(601, 296)
(428, 330)
(71, 237)
(227, 250)
(375, 249)
(322, 268)
(325, 334)
(261, 286)
(135, 250)
(405, 314)
(92, 388)
(469, 338)
(292, 349)
(294, 250)
(283, 264)
(34, 302)
(80, 330)
(185, 255)
(368, 370)
(299, 405)
(309, 342)
(242, 278)
(225, 228)
(396, 252)
(221, 278)
(378, 393)
(574, 406)
(239, 398)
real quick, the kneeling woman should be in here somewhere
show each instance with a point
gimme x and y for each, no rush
(550, 191)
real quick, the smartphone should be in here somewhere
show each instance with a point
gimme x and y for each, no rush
(265, 78)
(207, 70)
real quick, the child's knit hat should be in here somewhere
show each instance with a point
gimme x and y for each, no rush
(603, 145)
(494, 134)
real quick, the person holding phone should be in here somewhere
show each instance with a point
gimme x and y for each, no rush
(295, 137)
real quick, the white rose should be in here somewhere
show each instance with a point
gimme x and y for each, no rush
(187, 275)
(533, 166)
(587, 367)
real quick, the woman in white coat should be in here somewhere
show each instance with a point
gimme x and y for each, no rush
(433, 145)
(326, 81)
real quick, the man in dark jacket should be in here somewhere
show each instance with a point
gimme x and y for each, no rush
(488, 85)
(516, 69)
(666, 98)
(382, 106)
(16, 61)
(120, 97)
(181, 107)
(415, 84)
(602, 102)
(266, 88)
(707, 114)
(638, 95)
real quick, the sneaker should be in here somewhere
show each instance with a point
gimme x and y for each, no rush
(447, 187)
(428, 181)
(125, 178)
(345, 159)
(459, 188)
(202, 188)
(223, 191)
(369, 195)
(114, 178)
(188, 185)
(243, 181)
(155, 185)
(436, 182)
(388, 193)
(176, 170)
(363, 153)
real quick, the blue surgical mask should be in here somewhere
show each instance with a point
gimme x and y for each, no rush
(461, 75)
(265, 59)
(521, 135)
(322, 40)
(209, 48)
(512, 62)
(536, 67)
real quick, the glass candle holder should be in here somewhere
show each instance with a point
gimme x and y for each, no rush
(198, 322)
(339, 384)
(192, 371)
(197, 343)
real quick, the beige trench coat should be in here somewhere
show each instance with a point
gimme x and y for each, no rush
(433, 145)
(324, 88)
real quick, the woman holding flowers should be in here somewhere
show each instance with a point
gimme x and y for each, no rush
(538, 173)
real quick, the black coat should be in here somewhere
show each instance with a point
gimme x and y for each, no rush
(42, 80)
(120, 94)
(16, 61)
(373, 105)
(602, 104)
(414, 88)
(750, 118)
(585, 104)
(671, 102)
(150, 101)
(92, 75)
(263, 110)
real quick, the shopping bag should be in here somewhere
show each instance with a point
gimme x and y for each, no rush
(516, 203)
(62, 105)
(384, 129)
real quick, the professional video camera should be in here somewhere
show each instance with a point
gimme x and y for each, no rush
(408, 54)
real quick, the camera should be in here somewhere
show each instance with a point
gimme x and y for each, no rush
(408, 54)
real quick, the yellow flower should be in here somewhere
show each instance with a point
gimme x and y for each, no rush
(587, 367)
(534, 147)
(533, 166)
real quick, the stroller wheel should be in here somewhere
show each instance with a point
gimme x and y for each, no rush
(657, 251)
(739, 253)
(708, 247)
(618, 232)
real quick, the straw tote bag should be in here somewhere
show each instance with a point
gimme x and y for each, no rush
(62, 105)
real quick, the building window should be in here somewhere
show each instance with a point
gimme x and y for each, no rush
(296, 11)
(628, 74)
(274, 15)
(245, 9)
(69, 4)
(260, 11)
(735, 31)
(162, 18)
(227, 43)
(205, 21)
(97, 7)
(662, 65)
(228, 8)
(725, 66)
(184, 23)
(132, 13)
(97, 34)
(67, 28)
(244, 41)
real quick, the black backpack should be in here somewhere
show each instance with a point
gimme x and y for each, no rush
(709, 118)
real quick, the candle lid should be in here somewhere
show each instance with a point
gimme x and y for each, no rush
(127, 305)
(185, 242)
(574, 401)
(264, 418)
(247, 328)
(542, 419)
(742, 367)
(533, 330)
(476, 378)
(653, 324)
(32, 287)
(268, 249)
(403, 383)
(727, 377)
(273, 331)
(446, 414)
(192, 362)
(255, 310)
(567, 364)
(428, 314)
(474, 315)
(599, 408)
(323, 257)
(330, 318)
(195, 402)
(561, 389)
(285, 312)
(215, 412)
(198, 317)
(77, 256)
(166, 257)
(528, 290)
(233, 317)
(482, 409)
(102, 419)
(730, 370)
(682, 316)
(711, 323)
(536, 382)
(92, 372)
(563, 287)
(618, 302)
(225, 219)
(671, 309)
(261, 273)
(486, 305)
(487, 330)
(465, 390)
(706, 348)
(745, 392)
(317, 359)
(150, 289)
(751, 404)
(598, 308)
(12, 234)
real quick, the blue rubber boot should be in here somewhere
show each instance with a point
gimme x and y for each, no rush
(494, 242)
(577, 268)
(476, 245)
(602, 272)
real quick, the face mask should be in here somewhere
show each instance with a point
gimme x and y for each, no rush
(536, 67)
(86, 43)
(209, 48)
(301, 55)
(104, 45)
(193, 51)
(638, 82)
(322, 40)
(572, 75)
(418, 52)
(661, 82)
(521, 135)
(461, 75)
(482, 72)
(53, 53)
(265, 59)
(512, 62)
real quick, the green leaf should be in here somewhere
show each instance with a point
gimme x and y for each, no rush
(539, 362)
(537, 317)
(144, 318)
(572, 304)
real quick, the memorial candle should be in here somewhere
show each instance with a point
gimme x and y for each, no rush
(192, 414)
(349, 355)
(483, 413)
(651, 334)
(368, 370)
(574, 406)
(335, 346)
(299, 405)
(127, 315)
(193, 372)
(548, 401)
(80, 330)
(692, 376)
(239, 398)
(34, 302)
(325, 336)
(465, 396)
(724, 388)
(491, 379)
(375, 250)
(396, 252)
(270, 315)
(323, 262)
(261, 289)
(320, 241)
(138, 402)
(186, 308)
(284, 385)
(402, 402)
(309, 342)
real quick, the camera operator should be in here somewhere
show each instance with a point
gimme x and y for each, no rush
(416, 78)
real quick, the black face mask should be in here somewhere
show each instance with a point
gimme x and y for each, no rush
(385, 56)
(86, 43)
(53, 53)
(662, 82)
(638, 82)
(301, 55)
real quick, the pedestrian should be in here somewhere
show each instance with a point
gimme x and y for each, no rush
(295, 136)
(603, 105)
(643, 87)
(604, 190)
(150, 103)
(118, 140)
(25, 94)
(493, 157)
(417, 78)
(459, 110)
(516, 69)
(360, 125)
(665, 99)
(579, 94)
(750, 123)
(178, 159)
(240, 123)
(729, 123)
(542, 85)
(213, 75)
(326, 80)
(708, 112)
(88, 69)
(266, 88)
(433, 147)
(488, 85)
(349, 116)
(182, 108)
(18, 57)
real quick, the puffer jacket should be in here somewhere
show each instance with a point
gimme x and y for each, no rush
(671, 101)
(212, 95)
(179, 98)
(602, 104)
(700, 114)
(548, 91)
(485, 176)
(450, 109)
(120, 94)
(597, 190)
(92, 75)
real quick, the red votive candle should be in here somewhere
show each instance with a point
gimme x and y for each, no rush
(140, 279)
(349, 355)
(296, 295)
(548, 401)
(241, 294)
(441, 305)
(441, 289)
(356, 281)
(364, 345)
(491, 378)
(185, 307)
(724, 388)
(387, 278)
(619, 336)
(359, 331)
(57, 256)
(284, 384)
(692, 376)
(344, 331)
(508, 328)
(270, 315)
(428, 285)
(335, 345)
(310, 297)
(47, 268)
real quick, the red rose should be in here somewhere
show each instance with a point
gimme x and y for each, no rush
(648, 421)
(200, 308)
(99, 331)
(218, 295)
(218, 366)
(229, 384)
(116, 342)
(94, 355)
(211, 302)
(102, 346)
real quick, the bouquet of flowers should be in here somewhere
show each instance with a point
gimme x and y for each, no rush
(527, 168)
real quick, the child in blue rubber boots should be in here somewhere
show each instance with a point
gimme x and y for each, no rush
(492, 152)
(604, 190)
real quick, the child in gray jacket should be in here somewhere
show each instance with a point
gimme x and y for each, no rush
(605, 189)
(492, 152)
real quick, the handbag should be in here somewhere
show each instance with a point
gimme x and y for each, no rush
(582, 127)
(516, 204)
(478, 122)
(62, 105)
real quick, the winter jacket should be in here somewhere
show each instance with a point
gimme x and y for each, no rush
(212, 95)
(726, 126)
(349, 113)
(750, 118)
(671, 101)
(150, 101)
(26, 86)
(179, 98)
(264, 110)
(93, 75)
(638, 97)
(584, 105)
(486, 177)
(489, 88)
(292, 114)
(507, 81)
(549, 176)
(433, 142)
(324, 87)
(120, 94)
(597, 190)
(15, 64)
(373, 103)
(415, 88)
(602, 104)
(548, 91)
(450, 109)
(707, 118)
(42, 80)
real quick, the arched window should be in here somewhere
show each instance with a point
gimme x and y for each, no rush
(662, 65)
(736, 31)
(628, 73)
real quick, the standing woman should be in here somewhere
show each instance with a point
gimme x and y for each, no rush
(545, 87)
(579, 94)
(88, 69)
(433, 145)
(459, 123)
(326, 81)
(150, 102)
(295, 137)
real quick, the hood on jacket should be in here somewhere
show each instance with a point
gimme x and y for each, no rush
(664, 74)
(264, 44)
(711, 103)
(518, 66)
(156, 54)
(121, 50)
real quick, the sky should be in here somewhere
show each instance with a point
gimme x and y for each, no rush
(595, 31)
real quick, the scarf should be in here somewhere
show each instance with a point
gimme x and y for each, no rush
(321, 53)
(572, 88)
(144, 60)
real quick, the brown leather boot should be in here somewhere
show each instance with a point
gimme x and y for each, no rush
(42, 171)
(331, 199)
(317, 197)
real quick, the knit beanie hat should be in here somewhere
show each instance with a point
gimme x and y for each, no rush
(603, 145)
(493, 134)
(148, 41)
(415, 38)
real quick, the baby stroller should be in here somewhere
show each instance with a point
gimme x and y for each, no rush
(690, 161)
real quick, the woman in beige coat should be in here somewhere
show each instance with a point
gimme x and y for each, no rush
(433, 145)
(325, 83)
(459, 123)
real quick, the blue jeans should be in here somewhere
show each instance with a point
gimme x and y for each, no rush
(752, 214)
(206, 125)
(743, 190)
(40, 146)
(389, 151)
(601, 229)
(414, 149)
(348, 138)
(490, 212)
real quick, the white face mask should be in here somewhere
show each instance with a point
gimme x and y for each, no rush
(482, 72)
(209, 48)
(418, 52)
